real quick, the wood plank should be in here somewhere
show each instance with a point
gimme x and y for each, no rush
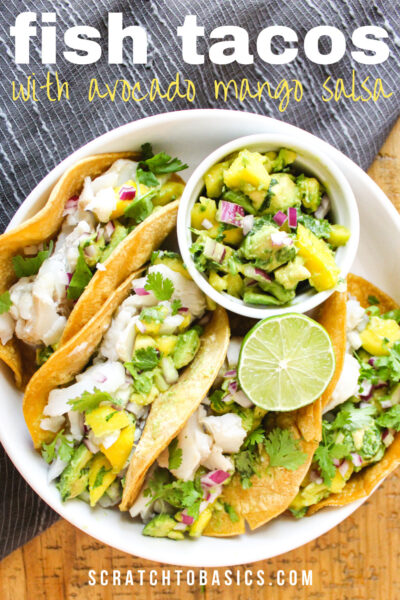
(358, 560)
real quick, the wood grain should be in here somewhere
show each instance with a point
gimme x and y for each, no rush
(358, 560)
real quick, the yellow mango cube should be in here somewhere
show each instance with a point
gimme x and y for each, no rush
(377, 331)
(166, 343)
(217, 282)
(143, 341)
(318, 259)
(247, 168)
(187, 319)
(119, 452)
(100, 477)
(151, 328)
(204, 209)
(105, 419)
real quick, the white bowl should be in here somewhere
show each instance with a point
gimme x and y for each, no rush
(311, 161)
(192, 135)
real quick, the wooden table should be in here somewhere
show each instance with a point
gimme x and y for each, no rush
(358, 560)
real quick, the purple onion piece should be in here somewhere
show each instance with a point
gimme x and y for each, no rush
(279, 218)
(292, 217)
(127, 192)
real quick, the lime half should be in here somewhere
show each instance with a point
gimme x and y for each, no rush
(285, 362)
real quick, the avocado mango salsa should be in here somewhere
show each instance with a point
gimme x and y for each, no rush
(260, 229)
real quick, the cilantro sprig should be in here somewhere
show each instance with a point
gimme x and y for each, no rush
(145, 359)
(390, 418)
(30, 265)
(180, 494)
(80, 279)
(5, 302)
(174, 455)
(90, 400)
(60, 447)
(284, 450)
(162, 288)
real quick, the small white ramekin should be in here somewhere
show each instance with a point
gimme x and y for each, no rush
(343, 207)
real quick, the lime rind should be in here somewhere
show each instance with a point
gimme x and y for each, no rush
(286, 362)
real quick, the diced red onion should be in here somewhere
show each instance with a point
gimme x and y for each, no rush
(180, 527)
(247, 224)
(232, 387)
(343, 468)
(89, 251)
(262, 274)
(71, 205)
(315, 477)
(140, 291)
(251, 282)
(292, 217)
(356, 459)
(214, 478)
(387, 437)
(206, 224)
(183, 310)
(280, 239)
(69, 275)
(231, 213)
(372, 361)
(101, 378)
(323, 208)
(279, 218)
(364, 404)
(231, 373)
(380, 385)
(109, 230)
(127, 192)
(141, 326)
(366, 389)
(240, 398)
(337, 462)
(187, 519)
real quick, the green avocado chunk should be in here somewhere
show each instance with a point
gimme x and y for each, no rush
(186, 348)
(250, 297)
(160, 526)
(120, 232)
(73, 479)
(310, 192)
(282, 194)
(258, 246)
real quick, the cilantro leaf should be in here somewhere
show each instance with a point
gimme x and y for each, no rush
(140, 208)
(145, 359)
(147, 151)
(390, 418)
(284, 450)
(64, 450)
(80, 278)
(146, 177)
(90, 400)
(25, 267)
(180, 494)
(372, 300)
(392, 314)
(327, 468)
(319, 227)
(174, 455)
(175, 306)
(254, 438)
(246, 463)
(43, 354)
(163, 163)
(232, 514)
(161, 288)
(351, 417)
(5, 302)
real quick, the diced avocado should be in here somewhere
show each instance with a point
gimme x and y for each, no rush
(101, 477)
(160, 382)
(120, 232)
(285, 158)
(186, 348)
(380, 335)
(309, 495)
(289, 275)
(73, 481)
(140, 208)
(176, 535)
(282, 193)
(310, 191)
(318, 259)
(204, 209)
(258, 415)
(160, 526)
(248, 174)
(339, 235)
(145, 399)
(250, 297)
(269, 285)
(241, 199)
(169, 191)
(214, 179)
(217, 252)
(257, 245)
(93, 251)
(201, 522)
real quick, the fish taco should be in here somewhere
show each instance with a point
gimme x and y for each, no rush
(100, 223)
(233, 462)
(123, 387)
(360, 443)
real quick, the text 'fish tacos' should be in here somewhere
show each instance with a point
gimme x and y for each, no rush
(126, 383)
(101, 222)
(360, 429)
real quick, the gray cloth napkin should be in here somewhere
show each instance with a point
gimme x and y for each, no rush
(36, 136)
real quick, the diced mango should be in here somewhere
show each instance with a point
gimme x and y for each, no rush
(214, 179)
(380, 335)
(122, 204)
(119, 452)
(144, 341)
(105, 419)
(169, 191)
(247, 168)
(186, 322)
(318, 259)
(203, 209)
(120, 208)
(234, 284)
(166, 343)
(174, 263)
(100, 477)
(339, 235)
(233, 236)
(201, 523)
(217, 282)
(151, 328)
